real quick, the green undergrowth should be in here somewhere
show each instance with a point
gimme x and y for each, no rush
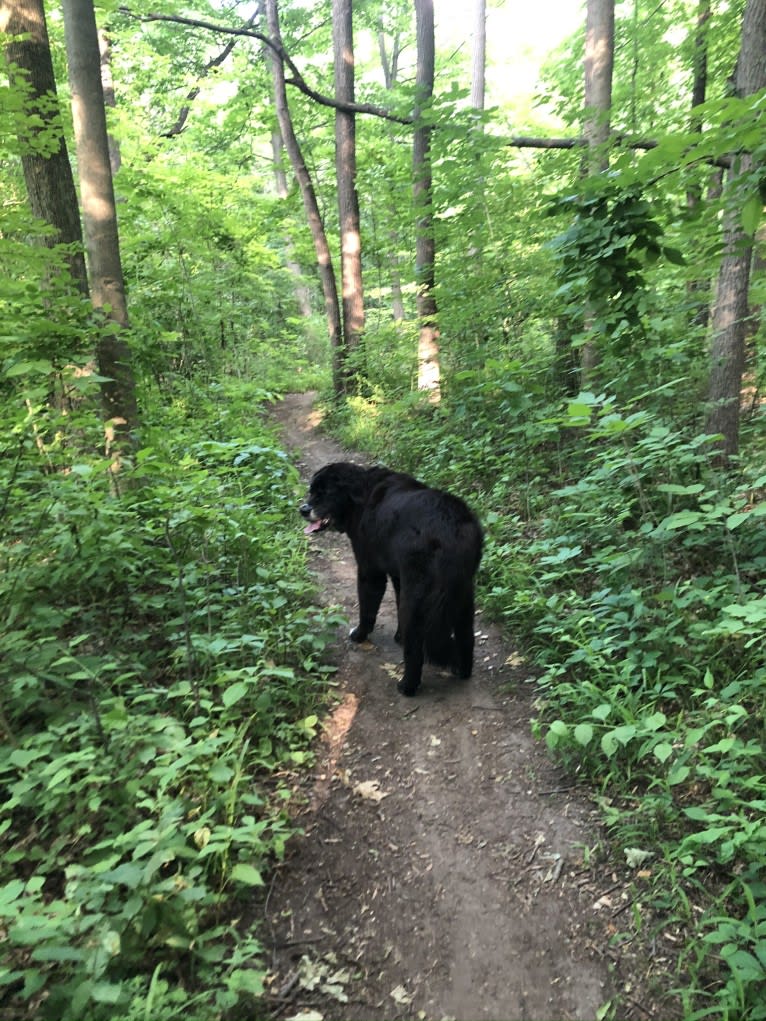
(630, 572)
(163, 671)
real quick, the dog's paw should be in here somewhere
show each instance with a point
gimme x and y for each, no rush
(406, 688)
(358, 635)
(461, 672)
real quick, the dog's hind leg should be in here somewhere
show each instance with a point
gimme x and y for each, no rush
(412, 627)
(397, 590)
(462, 624)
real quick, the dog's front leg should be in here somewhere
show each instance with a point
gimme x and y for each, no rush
(370, 587)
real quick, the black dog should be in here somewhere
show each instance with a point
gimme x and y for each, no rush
(427, 541)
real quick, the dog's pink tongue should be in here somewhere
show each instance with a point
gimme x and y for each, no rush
(314, 526)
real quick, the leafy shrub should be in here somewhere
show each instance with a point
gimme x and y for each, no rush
(630, 572)
(162, 663)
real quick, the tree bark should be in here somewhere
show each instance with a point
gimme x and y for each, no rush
(730, 315)
(697, 290)
(429, 372)
(48, 178)
(478, 71)
(302, 294)
(345, 172)
(389, 63)
(100, 223)
(310, 204)
(599, 65)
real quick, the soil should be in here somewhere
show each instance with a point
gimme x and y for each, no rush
(448, 869)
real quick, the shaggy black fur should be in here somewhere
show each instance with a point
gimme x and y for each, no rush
(427, 541)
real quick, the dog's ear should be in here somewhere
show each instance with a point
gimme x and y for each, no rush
(355, 482)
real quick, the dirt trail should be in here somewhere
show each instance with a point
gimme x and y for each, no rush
(442, 873)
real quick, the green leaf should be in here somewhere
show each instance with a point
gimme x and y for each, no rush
(678, 774)
(583, 733)
(669, 487)
(106, 992)
(625, 733)
(38, 367)
(127, 874)
(752, 211)
(681, 519)
(234, 693)
(11, 891)
(663, 751)
(22, 757)
(697, 813)
(575, 410)
(246, 980)
(608, 744)
(734, 520)
(744, 965)
(247, 874)
(221, 773)
(655, 721)
(674, 255)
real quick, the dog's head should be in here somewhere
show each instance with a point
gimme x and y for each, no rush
(333, 491)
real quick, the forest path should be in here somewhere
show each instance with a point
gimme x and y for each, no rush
(441, 874)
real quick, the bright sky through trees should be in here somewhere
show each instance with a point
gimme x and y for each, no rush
(520, 35)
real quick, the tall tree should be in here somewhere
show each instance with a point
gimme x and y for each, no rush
(47, 170)
(345, 171)
(599, 65)
(731, 305)
(478, 71)
(302, 293)
(100, 223)
(429, 372)
(389, 62)
(697, 289)
(308, 194)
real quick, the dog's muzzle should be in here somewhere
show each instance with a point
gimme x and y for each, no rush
(315, 524)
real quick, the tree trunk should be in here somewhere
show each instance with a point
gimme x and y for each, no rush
(310, 204)
(478, 76)
(697, 290)
(730, 315)
(49, 180)
(107, 84)
(100, 222)
(429, 374)
(302, 294)
(599, 65)
(345, 173)
(389, 62)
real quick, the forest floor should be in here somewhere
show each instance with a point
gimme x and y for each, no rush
(448, 869)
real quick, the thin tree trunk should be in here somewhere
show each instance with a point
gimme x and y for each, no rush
(730, 315)
(429, 373)
(599, 65)
(310, 204)
(302, 294)
(345, 172)
(478, 75)
(100, 223)
(697, 290)
(390, 65)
